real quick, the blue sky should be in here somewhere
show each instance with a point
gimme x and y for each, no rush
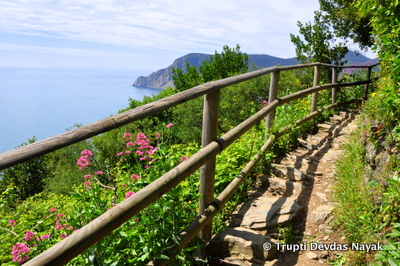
(142, 35)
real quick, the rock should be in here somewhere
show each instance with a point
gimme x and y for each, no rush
(266, 212)
(242, 244)
(322, 196)
(286, 184)
(321, 213)
(287, 172)
(307, 145)
(312, 255)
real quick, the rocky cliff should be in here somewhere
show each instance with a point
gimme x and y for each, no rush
(162, 78)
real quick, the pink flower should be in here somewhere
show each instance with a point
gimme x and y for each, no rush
(147, 166)
(140, 153)
(123, 185)
(87, 177)
(127, 152)
(29, 235)
(130, 144)
(169, 125)
(142, 158)
(128, 194)
(83, 162)
(87, 153)
(63, 236)
(265, 103)
(119, 153)
(98, 173)
(54, 209)
(127, 136)
(12, 223)
(19, 250)
(158, 135)
(46, 236)
(183, 158)
(135, 176)
(59, 215)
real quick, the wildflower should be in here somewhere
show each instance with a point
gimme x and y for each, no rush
(128, 194)
(83, 162)
(140, 153)
(54, 209)
(29, 235)
(169, 125)
(87, 153)
(119, 153)
(158, 135)
(183, 158)
(19, 250)
(12, 223)
(123, 185)
(142, 158)
(63, 236)
(59, 215)
(127, 152)
(98, 173)
(147, 166)
(130, 144)
(135, 176)
(127, 136)
(87, 177)
(265, 103)
(46, 236)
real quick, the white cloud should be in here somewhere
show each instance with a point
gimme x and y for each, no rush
(168, 28)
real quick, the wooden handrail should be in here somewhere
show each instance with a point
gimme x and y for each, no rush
(24, 153)
(91, 233)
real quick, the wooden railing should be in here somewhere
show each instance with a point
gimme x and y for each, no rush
(205, 158)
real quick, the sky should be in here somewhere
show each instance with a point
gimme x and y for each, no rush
(143, 35)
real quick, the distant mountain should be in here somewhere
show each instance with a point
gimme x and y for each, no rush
(162, 78)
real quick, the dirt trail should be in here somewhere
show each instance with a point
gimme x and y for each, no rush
(299, 193)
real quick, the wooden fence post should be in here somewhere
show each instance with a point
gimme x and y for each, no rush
(366, 85)
(334, 81)
(317, 75)
(273, 93)
(207, 171)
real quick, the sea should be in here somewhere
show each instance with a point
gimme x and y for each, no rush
(40, 103)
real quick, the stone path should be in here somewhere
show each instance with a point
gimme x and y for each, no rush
(298, 192)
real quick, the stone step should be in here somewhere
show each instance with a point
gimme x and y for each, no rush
(238, 245)
(290, 173)
(266, 212)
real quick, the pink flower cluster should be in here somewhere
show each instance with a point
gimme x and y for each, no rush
(144, 149)
(60, 226)
(129, 194)
(84, 160)
(19, 252)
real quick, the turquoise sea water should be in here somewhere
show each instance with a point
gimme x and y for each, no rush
(46, 102)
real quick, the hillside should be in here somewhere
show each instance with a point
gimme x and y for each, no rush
(162, 78)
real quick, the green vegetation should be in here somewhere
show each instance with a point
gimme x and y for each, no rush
(76, 184)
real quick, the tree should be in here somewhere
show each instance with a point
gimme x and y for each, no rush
(318, 42)
(229, 63)
(347, 22)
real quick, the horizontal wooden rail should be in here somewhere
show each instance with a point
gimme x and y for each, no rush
(25, 153)
(75, 244)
